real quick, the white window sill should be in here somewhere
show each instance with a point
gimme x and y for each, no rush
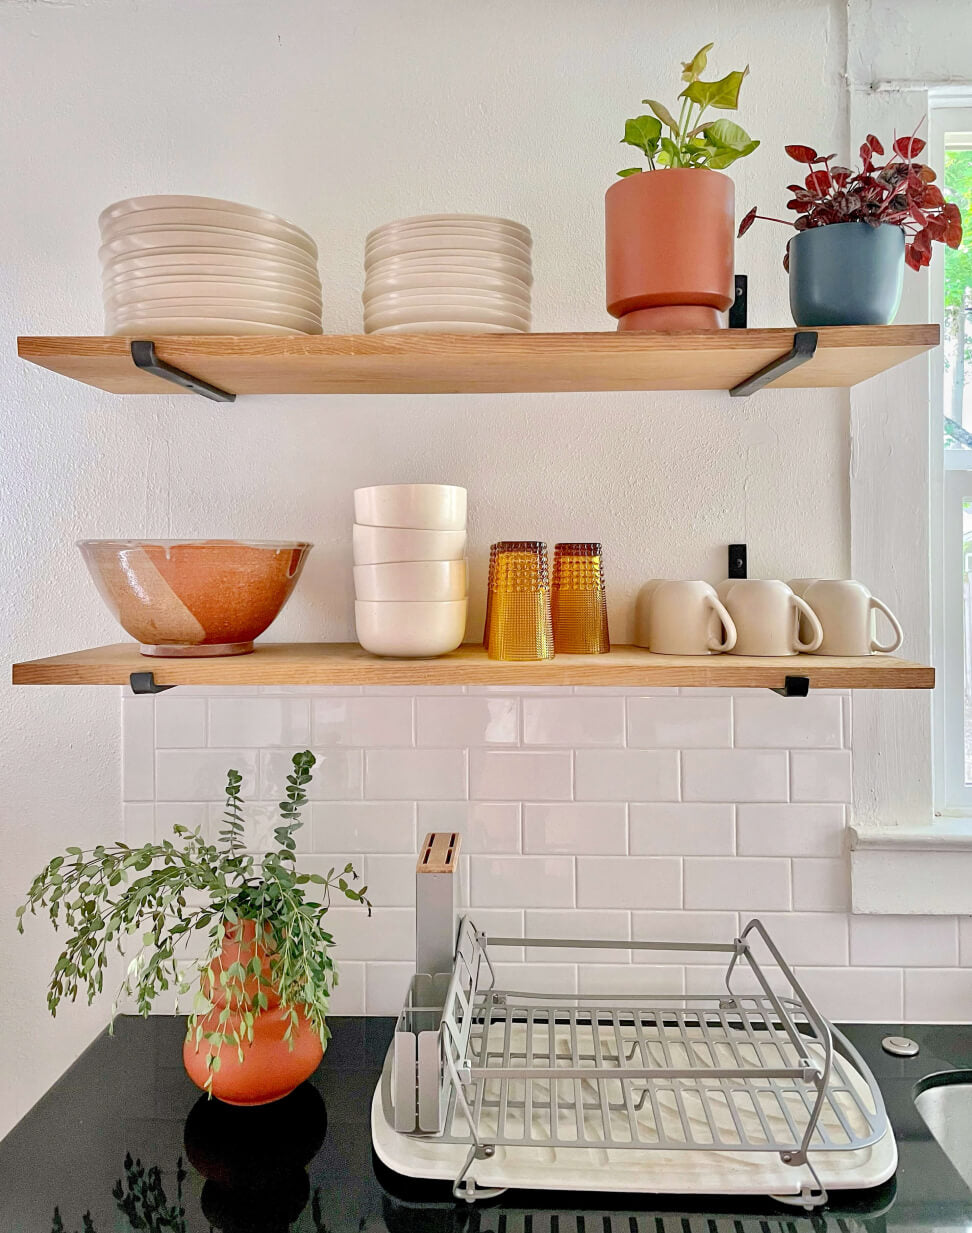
(904, 871)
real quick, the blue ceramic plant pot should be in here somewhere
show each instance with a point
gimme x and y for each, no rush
(846, 274)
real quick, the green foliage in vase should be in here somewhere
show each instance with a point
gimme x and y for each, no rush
(692, 141)
(156, 897)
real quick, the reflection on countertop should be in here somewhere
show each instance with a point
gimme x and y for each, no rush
(124, 1142)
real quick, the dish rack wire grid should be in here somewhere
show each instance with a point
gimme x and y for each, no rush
(731, 1071)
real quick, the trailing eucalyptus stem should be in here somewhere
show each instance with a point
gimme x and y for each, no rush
(161, 894)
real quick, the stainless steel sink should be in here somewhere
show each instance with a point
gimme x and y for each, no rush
(945, 1104)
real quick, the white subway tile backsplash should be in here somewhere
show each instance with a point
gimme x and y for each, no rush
(200, 774)
(821, 885)
(522, 882)
(681, 829)
(485, 826)
(609, 813)
(575, 827)
(258, 721)
(515, 775)
(938, 995)
(790, 830)
(412, 774)
(679, 723)
(747, 884)
(628, 882)
(573, 721)
(372, 720)
(767, 721)
(904, 941)
(626, 775)
(463, 721)
(734, 775)
(820, 776)
(363, 826)
(580, 924)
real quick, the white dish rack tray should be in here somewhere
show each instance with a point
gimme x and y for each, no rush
(736, 1092)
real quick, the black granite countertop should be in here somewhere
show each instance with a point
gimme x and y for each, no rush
(109, 1137)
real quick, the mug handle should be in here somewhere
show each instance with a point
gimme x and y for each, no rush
(895, 625)
(807, 647)
(719, 608)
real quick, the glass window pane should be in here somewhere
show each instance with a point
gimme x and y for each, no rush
(958, 307)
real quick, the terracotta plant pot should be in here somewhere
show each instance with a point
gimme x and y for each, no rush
(669, 249)
(271, 1068)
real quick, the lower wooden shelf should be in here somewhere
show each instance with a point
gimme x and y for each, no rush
(345, 663)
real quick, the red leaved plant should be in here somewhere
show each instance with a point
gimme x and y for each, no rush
(901, 192)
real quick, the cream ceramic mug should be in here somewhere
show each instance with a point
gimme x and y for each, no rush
(767, 615)
(846, 610)
(673, 617)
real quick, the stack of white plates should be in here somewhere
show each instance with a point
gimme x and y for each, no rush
(197, 265)
(410, 576)
(448, 274)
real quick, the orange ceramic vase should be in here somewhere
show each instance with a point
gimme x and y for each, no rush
(271, 1068)
(669, 249)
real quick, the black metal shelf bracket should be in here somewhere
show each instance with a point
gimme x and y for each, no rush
(737, 561)
(803, 349)
(144, 357)
(144, 683)
(794, 687)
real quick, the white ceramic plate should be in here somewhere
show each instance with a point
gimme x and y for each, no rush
(143, 220)
(448, 300)
(214, 261)
(446, 327)
(422, 220)
(446, 280)
(233, 310)
(451, 262)
(196, 237)
(447, 244)
(196, 326)
(199, 292)
(412, 233)
(460, 314)
(174, 201)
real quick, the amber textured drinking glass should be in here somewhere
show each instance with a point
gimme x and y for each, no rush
(518, 622)
(578, 603)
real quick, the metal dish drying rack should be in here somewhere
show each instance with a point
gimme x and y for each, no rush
(736, 1071)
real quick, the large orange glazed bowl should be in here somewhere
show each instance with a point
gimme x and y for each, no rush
(194, 597)
(669, 237)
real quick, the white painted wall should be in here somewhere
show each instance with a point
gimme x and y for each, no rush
(342, 115)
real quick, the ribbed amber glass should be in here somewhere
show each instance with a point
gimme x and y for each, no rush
(518, 622)
(578, 603)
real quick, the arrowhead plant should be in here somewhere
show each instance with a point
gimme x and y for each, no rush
(691, 140)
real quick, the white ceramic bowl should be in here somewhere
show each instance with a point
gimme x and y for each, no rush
(410, 629)
(377, 545)
(207, 262)
(430, 507)
(445, 280)
(459, 314)
(142, 220)
(443, 244)
(411, 580)
(193, 293)
(206, 326)
(425, 296)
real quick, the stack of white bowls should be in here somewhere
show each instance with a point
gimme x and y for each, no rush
(410, 575)
(197, 265)
(448, 274)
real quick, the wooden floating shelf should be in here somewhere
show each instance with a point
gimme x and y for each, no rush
(485, 363)
(345, 663)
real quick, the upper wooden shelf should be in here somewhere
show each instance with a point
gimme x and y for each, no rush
(345, 663)
(485, 363)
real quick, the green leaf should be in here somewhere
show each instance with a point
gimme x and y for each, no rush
(727, 134)
(630, 171)
(723, 94)
(662, 112)
(670, 155)
(695, 67)
(724, 158)
(643, 133)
